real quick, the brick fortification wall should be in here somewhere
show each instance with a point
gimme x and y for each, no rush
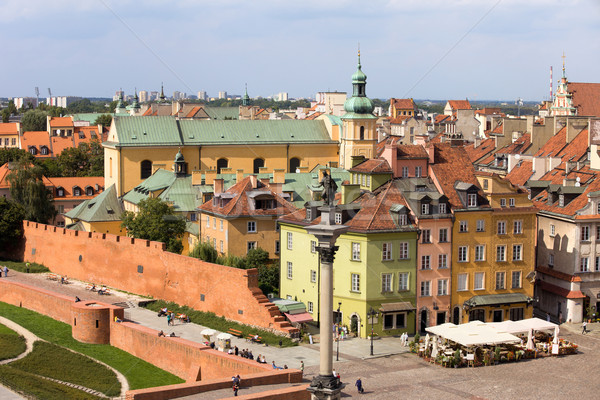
(145, 268)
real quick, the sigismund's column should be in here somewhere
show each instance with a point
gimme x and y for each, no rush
(325, 386)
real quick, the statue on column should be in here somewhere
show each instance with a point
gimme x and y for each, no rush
(329, 189)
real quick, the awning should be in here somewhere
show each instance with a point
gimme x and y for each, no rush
(299, 318)
(395, 307)
(497, 299)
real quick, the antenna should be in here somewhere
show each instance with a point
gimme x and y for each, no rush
(551, 87)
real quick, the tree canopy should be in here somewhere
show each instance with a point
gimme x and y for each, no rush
(34, 120)
(85, 160)
(12, 154)
(28, 189)
(156, 220)
(11, 221)
(104, 120)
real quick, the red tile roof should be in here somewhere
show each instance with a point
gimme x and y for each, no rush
(586, 98)
(411, 151)
(402, 104)
(68, 184)
(314, 115)
(373, 167)
(9, 128)
(554, 145)
(521, 173)
(459, 104)
(485, 147)
(572, 207)
(400, 119)
(36, 139)
(490, 111)
(149, 112)
(60, 143)
(193, 112)
(443, 119)
(59, 122)
(519, 146)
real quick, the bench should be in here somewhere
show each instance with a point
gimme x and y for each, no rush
(235, 332)
(251, 338)
(53, 277)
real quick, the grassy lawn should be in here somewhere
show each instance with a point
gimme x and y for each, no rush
(31, 385)
(211, 320)
(50, 360)
(11, 343)
(34, 268)
(139, 373)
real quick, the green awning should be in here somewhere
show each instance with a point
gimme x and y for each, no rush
(497, 299)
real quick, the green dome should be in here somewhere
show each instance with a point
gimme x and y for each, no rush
(179, 156)
(359, 105)
(359, 76)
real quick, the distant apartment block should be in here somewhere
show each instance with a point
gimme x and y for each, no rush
(222, 95)
(61, 101)
(143, 95)
(202, 95)
(21, 102)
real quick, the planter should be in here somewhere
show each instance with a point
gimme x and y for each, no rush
(375, 337)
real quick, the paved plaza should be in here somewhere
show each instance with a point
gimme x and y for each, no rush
(393, 373)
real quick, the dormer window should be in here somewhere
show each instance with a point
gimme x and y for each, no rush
(442, 208)
(425, 208)
(89, 191)
(561, 200)
(472, 200)
(402, 219)
(76, 191)
(502, 202)
(60, 192)
(33, 150)
(264, 204)
(44, 150)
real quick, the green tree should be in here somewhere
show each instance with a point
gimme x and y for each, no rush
(156, 220)
(5, 115)
(268, 278)
(11, 222)
(13, 154)
(28, 189)
(85, 160)
(51, 168)
(257, 258)
(34, 120)
(205, 252)
(104, 120)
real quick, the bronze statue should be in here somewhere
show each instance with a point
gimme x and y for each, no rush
(329, 189)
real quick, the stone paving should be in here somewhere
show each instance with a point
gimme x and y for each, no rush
(393, 373)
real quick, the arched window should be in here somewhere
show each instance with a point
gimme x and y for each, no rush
(362, 133)
(33, 150)
(146, 169)
(294, 164)
(60, 192)
(76, 191)
(222, 163)
(89, 191)
(258, 163)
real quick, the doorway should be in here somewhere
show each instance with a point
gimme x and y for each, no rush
(498, 316)
(423, 320)
(456, 316)
(441, 318)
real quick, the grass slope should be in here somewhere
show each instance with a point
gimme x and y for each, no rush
(139, 373)
(34, 268)
(11, 343)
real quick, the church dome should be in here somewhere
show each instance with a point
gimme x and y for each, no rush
(359, 105)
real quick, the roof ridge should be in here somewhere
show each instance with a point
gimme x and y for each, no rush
(383, 194)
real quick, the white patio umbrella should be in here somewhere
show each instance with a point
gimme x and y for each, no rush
(530, 340)
(426, 340)
(556, 330)
(434, 351)
(208, 332)
(224, 336)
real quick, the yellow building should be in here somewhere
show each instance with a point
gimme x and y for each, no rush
(101, 214)
(9, 134)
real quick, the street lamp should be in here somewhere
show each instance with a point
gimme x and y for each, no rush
(372, 314)
(337, 353)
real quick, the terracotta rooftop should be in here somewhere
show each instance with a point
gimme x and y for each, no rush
(490, 111)
(459, 104)
(68, 185)
(314, 115)
(400, 119)
(443, 119)
(150, 112)
(411, 151)
(193, 112)
(376, 166)
(485, 147)
(586, 98)
(59, 122)
(9, 128)
(36, 139)
(402, 104)
(521, 173)
(541, 200)
(519, 146)
(554, 145)
(390, 140)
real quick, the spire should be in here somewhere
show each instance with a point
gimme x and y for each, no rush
(563, 57)
(246, 98)
(358, 55)
(162, 93)
(135, 104)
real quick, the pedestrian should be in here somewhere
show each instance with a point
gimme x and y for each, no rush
(548, 317)
(302, 367)
(168, 319)
(5, 271)
(359, 386)
(584, 326)
(236, 387)
(172, 318)
(237, 351)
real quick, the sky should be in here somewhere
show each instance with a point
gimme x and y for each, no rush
(424, 49)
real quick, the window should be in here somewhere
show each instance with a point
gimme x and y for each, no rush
(221, 225)
(61, 209)
(442, 288)
(442, 208)
(394, 320)
(501, 228)
(313, 246)
(13, 141)
(443, 237)
(251, 227)
(193, 217)
(585, 232)
(313, 275)
(442, 261)
(310, 307)
(551, 260)
(221, 246)
(517, 252)
(426, 262)
(480, 252)
(214, 222)
(502, 202)
(402, 281)
(338, 218)
(425, 288)
(249, 245)
(516, 279)
(215, 243)
(145, 169)
(516, 314)
(501, 253)
(386, 283)
(405, 172)
(463, 226)
(207, 221)
(60, 192)
(44, 150)
(402, 219)
(309, 214)
(463, 281)
(355, 251)
(517, 227)
(354, 179)
(76, 191)
(363, 179)
(597, 266)
(463, 253)
(289, 241)
(289, 270)
(425, 209)
(485, 184)
(417, 172)
(598, 233)
(258, 164)
(355, 282)
(277, 247)
(221, 163)
(561, 200)
(584, 264)
(386, 251)
(368, 180)
(552, 230)
(480, 225)
(426, 235)
(472, 200)
(403, 250)
(500, 280)
(479, 283)
(511, 202)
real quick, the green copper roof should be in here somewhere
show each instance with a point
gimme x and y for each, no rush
(192, 228)
(334, 119)
(497, 299)
(220, 113)
(168, 131)
(359, 106)
(104, 207)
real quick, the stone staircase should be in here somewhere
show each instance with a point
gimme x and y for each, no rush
(279, 321)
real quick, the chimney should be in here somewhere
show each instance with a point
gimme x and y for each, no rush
(350, 192)
(253, 180)
(239, 175)
(302, 169)
(218, 185)
(279, 175)
(431, 153)
(196, 178)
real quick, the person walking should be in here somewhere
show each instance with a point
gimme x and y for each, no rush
(236, 387)
(584, 326)
(169, 319)
(359, 386)
(5, 269)
(302, 367)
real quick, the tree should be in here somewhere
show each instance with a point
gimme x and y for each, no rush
(11, 222)
(205, 252)
(85, 160)
(268, 278)
(34, 120)
(13, 154)
(257, 258)
(104, 120)
(28, 189)
(156, 220)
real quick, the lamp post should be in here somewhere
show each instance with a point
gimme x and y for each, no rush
(337, 353)
(372, 314)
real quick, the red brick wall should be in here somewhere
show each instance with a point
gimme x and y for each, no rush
(114, 261)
